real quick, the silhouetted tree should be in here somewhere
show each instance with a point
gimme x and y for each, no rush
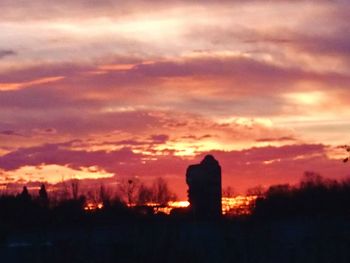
(64, 193)
(75, 188)
(25, 196)
(256, 190)
(144, 195)
(161, 192)
(128, 188)
(43, 196)
(105, 196)
(228, 192)
(311, 179)
(70, 211)
(314, 196)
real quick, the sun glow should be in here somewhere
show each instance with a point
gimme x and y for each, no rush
(189, 148)
(307, 98)
(239, 205)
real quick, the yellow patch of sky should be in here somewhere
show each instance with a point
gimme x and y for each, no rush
(189, 148)
(307, 98)
(155, 28)
(338, 153)
(271, 161)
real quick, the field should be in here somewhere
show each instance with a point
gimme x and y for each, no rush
(166, 240)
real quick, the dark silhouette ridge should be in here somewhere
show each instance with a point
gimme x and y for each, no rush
(204, 192)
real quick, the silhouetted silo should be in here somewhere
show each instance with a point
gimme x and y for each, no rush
(204, 188)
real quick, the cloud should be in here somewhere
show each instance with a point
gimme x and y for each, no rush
(241, 169)
(46, 131)
(36, 82)
(10, 133)
(238, 71)
(171, 81)
(276, 165)
(159, 138)
(15, 8)
(42, 71)
(221, 78)
(194, 137)
(335, 43)
(279, 139)
(6, 52)
(176, 98)
(59, 154)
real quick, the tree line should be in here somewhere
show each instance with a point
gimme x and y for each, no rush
(65, 206)
(313, 196)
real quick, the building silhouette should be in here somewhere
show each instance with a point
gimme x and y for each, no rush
(204, 188)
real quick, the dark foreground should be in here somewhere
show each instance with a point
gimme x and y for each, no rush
(165, 240)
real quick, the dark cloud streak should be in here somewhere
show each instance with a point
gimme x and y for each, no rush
(6, 53)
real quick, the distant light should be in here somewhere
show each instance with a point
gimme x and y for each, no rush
(239, 205)
(91, 206)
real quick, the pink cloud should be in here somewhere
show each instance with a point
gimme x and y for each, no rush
(14, 8)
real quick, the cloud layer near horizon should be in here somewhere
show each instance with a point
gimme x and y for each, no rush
(164, 84)
(242, 169)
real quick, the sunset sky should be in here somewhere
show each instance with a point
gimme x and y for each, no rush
(92, 89)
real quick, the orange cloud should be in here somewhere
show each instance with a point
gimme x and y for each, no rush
(21, 85)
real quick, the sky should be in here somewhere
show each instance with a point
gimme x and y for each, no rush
(120, 89)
